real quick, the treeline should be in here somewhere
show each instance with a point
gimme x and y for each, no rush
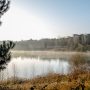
(75, 43)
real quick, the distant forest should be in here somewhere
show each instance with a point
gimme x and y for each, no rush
(75, 43)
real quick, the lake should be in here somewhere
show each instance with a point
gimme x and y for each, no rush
(28, 67)
(32, 67)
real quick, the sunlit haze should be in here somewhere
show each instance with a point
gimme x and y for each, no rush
(36, 19)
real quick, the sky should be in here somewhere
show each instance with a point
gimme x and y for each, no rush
(36, 19)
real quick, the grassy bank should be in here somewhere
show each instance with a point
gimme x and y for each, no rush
(51, 82)
(47, 54)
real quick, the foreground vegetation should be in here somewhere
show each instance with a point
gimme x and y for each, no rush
(75, 81)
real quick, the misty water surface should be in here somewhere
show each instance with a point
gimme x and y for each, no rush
(32, 67)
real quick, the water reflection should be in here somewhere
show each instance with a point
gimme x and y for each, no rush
(32, 67)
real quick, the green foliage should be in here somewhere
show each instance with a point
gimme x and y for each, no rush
(4, 6)
(5, 54)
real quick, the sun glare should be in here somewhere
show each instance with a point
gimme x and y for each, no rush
(19, 24)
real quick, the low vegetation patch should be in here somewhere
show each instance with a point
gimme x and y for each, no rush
(80, 81)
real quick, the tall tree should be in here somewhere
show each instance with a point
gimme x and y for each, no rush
(4, 6)
(5, 54)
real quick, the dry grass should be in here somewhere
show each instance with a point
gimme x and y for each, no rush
(51, 82)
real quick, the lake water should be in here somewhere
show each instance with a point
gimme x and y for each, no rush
(33, 67)
(28, 67)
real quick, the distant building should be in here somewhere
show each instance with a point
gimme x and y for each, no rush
(88, 39)
(82, 39)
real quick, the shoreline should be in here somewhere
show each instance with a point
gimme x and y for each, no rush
(48, 54)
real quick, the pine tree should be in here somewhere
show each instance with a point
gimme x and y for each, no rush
(4, 6)
(5, 54)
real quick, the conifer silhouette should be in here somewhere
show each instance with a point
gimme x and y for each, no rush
(5, 54)
(4, 6)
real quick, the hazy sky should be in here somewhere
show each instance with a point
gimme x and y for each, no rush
(38, 19)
